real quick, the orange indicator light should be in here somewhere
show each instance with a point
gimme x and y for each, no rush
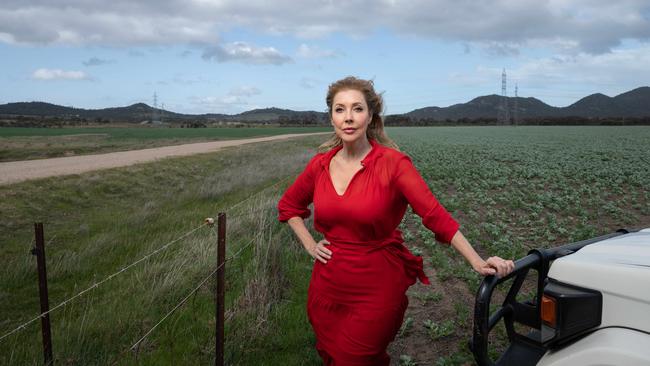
(548, 311)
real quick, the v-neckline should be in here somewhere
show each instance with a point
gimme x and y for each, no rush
(347, 188)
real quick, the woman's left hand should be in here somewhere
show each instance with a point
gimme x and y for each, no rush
(495, 266)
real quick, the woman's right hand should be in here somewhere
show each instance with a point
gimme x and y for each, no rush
(319, 252)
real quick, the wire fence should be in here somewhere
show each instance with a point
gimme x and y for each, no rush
(251, 213)
(161, 249)
(184, 300)
(232, 208)
(99, 283)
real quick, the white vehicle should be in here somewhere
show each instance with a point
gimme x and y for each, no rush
(592, 305)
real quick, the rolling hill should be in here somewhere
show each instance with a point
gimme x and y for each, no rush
(634, 103)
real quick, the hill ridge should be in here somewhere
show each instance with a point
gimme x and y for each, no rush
(632, 103)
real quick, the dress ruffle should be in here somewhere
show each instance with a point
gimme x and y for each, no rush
(394, 245)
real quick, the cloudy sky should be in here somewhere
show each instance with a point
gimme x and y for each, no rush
(228, 56)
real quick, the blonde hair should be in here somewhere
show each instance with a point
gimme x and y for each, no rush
(375, 103)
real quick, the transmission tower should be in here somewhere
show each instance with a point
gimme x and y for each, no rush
(502, 115)
(515, 111)
(155, 119)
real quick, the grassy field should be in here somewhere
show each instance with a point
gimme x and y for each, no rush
(97, 223)
(512, 189)
(37, 143)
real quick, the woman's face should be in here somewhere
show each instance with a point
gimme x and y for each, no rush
(350, 115)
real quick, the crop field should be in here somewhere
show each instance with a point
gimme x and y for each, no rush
(37, 143)
(511, 189)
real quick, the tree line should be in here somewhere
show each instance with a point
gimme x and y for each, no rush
(314, 119)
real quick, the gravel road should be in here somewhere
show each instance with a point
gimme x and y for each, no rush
(18, 171)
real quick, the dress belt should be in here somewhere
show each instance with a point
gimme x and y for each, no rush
(394, 245)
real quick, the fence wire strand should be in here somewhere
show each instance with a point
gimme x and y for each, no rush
(97, 284)
(162, 248)
(192, 292)
(135, 345)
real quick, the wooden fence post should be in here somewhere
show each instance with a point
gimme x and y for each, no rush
(220, 295)
(39, 252)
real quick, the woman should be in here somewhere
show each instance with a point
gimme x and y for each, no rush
(360, 185)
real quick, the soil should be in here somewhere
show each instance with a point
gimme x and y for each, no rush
(416, 342)
(18, 171)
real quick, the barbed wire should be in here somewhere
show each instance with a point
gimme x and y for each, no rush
(97, 284)
(162, 248)
(187, 297)
(176, 307)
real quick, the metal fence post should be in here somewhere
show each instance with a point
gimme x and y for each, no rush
(220, 295)
(39, 252)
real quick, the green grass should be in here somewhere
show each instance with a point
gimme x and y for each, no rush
(511, 189)
(148, 133)
(99, 222)
(36, 143)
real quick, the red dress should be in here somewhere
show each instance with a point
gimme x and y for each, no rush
(356, 302)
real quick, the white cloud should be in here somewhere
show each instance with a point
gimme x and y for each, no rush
(58, 74)
(246, 53)
(613, 72)
(306, 51)
(560, 79)
(591, 26)
(7, 38)
(98, 23)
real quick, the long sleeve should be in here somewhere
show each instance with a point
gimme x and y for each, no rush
(297, 198)
(416, 192)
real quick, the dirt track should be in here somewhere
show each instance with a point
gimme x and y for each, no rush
(18, 171)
